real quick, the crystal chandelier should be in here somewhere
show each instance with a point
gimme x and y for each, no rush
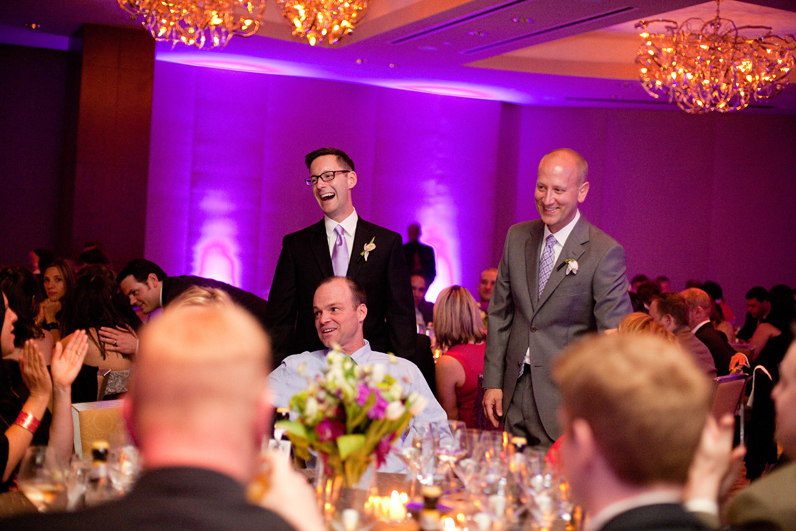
(206, 24)
(316, 20)
(710, 66)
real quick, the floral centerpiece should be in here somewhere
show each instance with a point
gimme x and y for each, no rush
(348, 414)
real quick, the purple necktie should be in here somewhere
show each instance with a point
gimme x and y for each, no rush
(546, 263)
(340, 254)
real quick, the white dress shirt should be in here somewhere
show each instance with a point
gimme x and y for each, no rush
(349, 228)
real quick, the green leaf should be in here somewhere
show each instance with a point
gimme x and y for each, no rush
(348, 444)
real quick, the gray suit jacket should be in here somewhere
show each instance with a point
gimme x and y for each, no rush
(593, 299)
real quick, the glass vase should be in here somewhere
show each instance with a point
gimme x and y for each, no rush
(346, 507)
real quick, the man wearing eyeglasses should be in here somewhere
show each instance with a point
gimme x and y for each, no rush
(341, 244)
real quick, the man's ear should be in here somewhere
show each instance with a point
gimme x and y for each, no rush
(351, 177)
(362, 312)
(152, 280)
(583, 189)
(582, 440)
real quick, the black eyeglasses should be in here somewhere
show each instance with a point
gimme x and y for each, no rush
(325, 176)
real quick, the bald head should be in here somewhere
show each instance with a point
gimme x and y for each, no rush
(565, 161)
(199, 387)
(700, 305)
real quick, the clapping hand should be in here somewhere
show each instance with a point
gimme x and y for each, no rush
(34, 371)
(49, 309)
(66, 362)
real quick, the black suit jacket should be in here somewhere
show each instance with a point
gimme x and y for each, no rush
(717, 345)
(174, 286)
(169, 499)
(305, 262)
(427, 309)
(660, 517)
(428, 264)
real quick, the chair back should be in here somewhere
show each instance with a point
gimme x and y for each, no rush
(727, 393)
(94, 421)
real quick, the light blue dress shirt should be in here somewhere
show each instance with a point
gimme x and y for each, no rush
(285, 382)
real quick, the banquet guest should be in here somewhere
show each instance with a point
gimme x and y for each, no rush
(629, 435)
(485, 286)
(21, 287)
(92, 308)
(717, 294)
(461, 334)
(340, 309)
(642, 323)
(757, 308)
(663, 283)
(768, 502)
(340, 244)
(424, 310)
(700, 308)
(20, 418)
(58, 281)
(771, 340)
(529, 325)
(147, 286)
(198, 408)
(670, 310)
(420, 257)
(647, 291)
(637, 281)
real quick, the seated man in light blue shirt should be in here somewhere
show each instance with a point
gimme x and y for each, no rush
(340, 310)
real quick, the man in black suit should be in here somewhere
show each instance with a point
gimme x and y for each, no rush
(420, 257)
(631, 434)
(148, 287)
(700, 308)
(198, 407)
(369, 254)
(757, 309)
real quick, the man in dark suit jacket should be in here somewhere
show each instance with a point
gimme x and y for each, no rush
(700, 308)
(198, 408)
(424, 308)
(148, 287)
(420, 257)
(369, 254)
(586, 292)
(631, 434)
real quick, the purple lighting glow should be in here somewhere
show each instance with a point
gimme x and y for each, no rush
(216, 253)
(239, 63)
(461, 90)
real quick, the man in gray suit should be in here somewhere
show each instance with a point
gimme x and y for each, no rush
(559, 279)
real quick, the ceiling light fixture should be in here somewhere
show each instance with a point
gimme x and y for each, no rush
(206, 24)
(319, 20)
(710, 66)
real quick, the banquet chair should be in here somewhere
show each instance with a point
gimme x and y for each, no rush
(94, 421)
(728, 392)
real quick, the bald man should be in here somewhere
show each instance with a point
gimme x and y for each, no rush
(198, 407)
(560, 278)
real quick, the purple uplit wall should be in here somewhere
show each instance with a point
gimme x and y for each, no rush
(704, 197)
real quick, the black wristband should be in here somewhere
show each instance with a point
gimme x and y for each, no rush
(49, 326)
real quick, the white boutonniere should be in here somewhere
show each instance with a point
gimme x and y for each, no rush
(368, 248)
(572, 266)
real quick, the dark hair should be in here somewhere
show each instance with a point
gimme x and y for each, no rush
(639, 278)
(67, 271)
(713, 289)
(673, 304)
(758, 292)
(93, 307)
(783, 307)
(46, 257)
(693, 283)
(662, 278)
(140, 269)
(20, 286)
(94, 255)
(647, 290)
(342, 158)
(357, 291)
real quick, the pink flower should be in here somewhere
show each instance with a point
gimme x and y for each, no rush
(328, 429)
(382, 449)
(363, 395)
(379, 408)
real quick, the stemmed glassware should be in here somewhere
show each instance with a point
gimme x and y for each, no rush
(417, 450)
(42, 478)
(450, 444)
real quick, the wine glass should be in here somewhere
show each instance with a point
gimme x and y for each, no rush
(417, 451)
(42, 478)
(450, 444)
